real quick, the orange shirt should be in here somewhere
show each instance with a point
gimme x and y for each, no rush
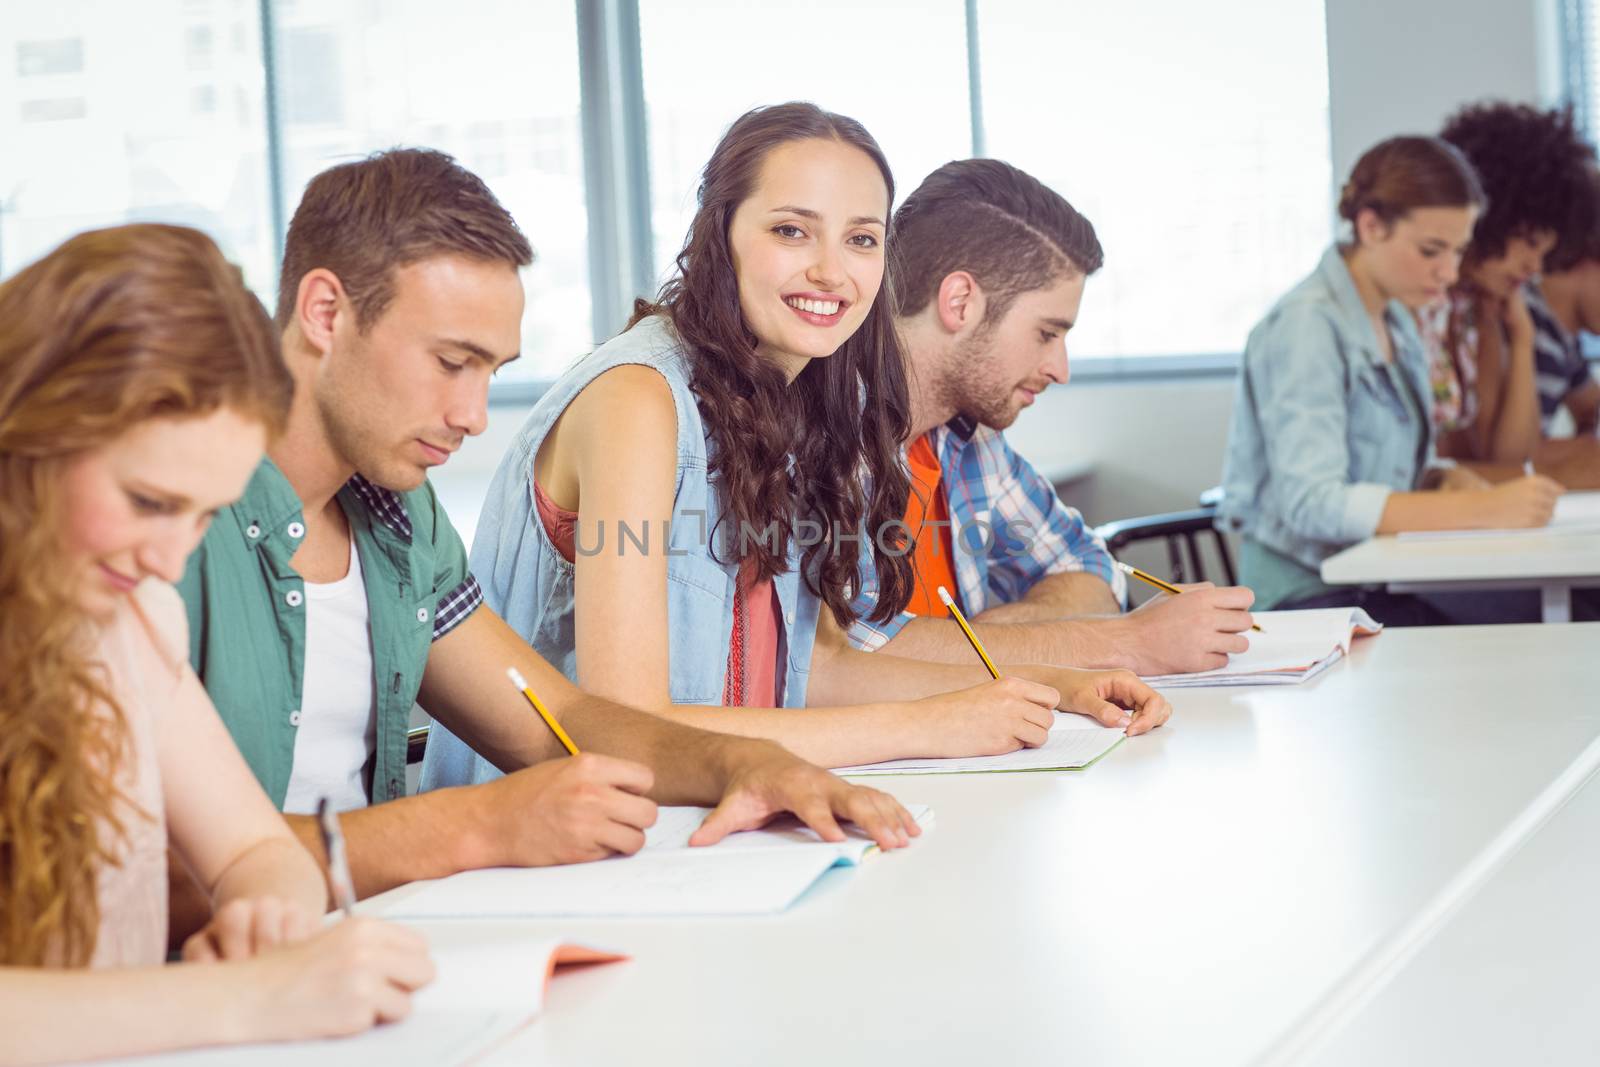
(932, 560)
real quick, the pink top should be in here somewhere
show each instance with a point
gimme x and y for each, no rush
(144, 649)
(751, 680)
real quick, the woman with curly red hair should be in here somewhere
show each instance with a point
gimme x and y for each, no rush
(679, 523)
(139, 382)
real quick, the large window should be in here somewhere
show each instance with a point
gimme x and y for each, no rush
(900, 68)
(1193, 136)
(94, 132)
(492, 82)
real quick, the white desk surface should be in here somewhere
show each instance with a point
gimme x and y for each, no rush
(1522, 557)
(1513, 977)
(1188, 900)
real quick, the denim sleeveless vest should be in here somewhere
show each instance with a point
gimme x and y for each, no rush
(527, 581)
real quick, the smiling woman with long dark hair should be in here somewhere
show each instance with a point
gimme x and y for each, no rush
(681, 506)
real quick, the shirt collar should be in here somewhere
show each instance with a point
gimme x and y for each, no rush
(1335, 273)
(387, 505)
(269, 502)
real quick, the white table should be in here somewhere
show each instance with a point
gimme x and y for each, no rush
(1553, 563)
(1513, 976)
(1191, 899)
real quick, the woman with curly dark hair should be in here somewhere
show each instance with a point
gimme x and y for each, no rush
(678, 523)
(1536, 171)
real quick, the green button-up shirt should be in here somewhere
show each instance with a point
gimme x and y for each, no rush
(247, 615)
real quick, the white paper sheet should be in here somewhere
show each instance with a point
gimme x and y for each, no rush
(675, 825)
(1292, 647)
(664, 881)
(1074, 742)
(487, 986)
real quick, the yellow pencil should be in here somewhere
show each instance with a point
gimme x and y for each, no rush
(961, 621)
(544, 713)
(1165, 587)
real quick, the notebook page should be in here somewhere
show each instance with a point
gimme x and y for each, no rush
(674, 825)
(666, 881)
(487, 986)
(1075, 741)
(1290, 642)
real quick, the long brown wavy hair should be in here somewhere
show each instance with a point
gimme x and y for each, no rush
(114, 327)
(842, 420)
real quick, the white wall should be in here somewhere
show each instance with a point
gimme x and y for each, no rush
(1402, 66)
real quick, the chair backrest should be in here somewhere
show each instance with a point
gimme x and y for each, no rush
(416, 744)
(1179, 529)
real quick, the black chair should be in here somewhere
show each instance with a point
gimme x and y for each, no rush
(416, 744)
(1180, 529)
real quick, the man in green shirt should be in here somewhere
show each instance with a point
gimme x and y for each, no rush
(335, 592)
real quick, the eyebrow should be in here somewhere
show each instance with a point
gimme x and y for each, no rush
(476, 351)
(807, 213)
(155, 492)
(1061, 324)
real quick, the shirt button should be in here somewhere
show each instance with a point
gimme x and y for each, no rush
(294, 717)
(252, 531)
(293, 598)
(422, 614)
(789, 618)
(296, 530)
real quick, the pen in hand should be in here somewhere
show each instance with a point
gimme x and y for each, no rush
(339, 880)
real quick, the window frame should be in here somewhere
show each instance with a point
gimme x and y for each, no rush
(617, 176)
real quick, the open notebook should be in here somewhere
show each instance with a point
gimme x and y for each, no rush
(1576, 513)
(1292, 647)
(752, 873)
(488, 985)
(1074, 743)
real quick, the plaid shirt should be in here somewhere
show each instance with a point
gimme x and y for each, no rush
(1008, 530)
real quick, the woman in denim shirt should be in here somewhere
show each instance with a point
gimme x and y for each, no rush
(1332, 439)
(676, 524)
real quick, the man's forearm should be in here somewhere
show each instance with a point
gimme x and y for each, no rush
(691, 765)
(431, 835)
(1058, 596)
(1068, 643)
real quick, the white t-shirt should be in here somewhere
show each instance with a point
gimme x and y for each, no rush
(338, 709)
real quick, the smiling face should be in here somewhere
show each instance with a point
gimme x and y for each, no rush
(401, 396)
(136, 507)
(807, 249)
(1511, 269)
(1416, 258)
(999, 369)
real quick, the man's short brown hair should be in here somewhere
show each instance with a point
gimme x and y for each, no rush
(362, 220)
(1003, 226)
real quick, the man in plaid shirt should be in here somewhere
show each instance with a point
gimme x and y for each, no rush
(992, 268)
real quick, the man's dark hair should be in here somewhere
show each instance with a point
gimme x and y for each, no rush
(1536, 170)
(1003, 226)
(364, 219)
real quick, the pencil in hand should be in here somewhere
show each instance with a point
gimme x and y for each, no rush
(1165, 587)
(544, 712)
(972, 638)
